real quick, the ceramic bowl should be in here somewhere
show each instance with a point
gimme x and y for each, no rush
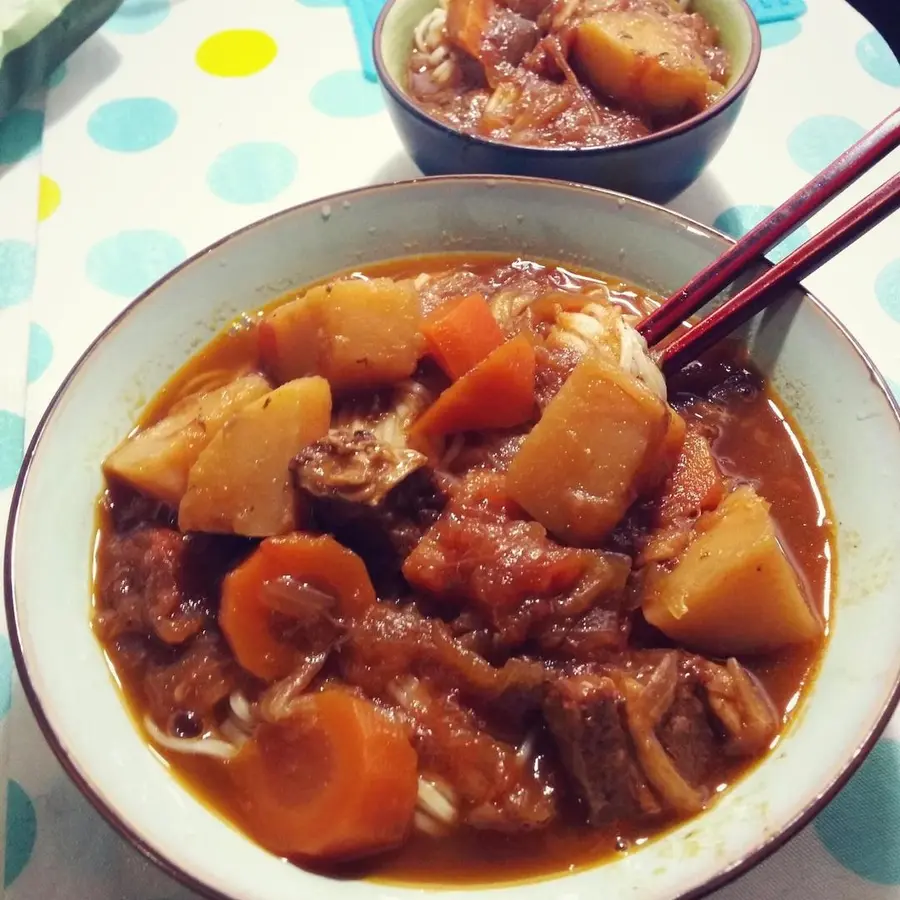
(853, 431)
(656, 167)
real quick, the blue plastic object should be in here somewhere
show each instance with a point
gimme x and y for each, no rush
(776, 10)
(363, 16)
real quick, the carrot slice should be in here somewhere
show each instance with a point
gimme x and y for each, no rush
(461, 334)
(695, 484)
(497, 393)
(245, 616)
(335, 781)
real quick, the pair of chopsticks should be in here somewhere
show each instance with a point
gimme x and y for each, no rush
(815, 252)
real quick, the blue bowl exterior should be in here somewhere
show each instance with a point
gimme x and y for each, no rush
(656, 169)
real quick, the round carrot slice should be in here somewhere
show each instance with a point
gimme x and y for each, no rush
(245, 614)
(337, 780)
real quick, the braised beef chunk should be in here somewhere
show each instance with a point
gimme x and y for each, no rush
(585, 717)
(376, 499)
(181, 687)
(687, 735)
(586, 637)
(126, 509)
(190, 685)
(354, 466)
(641, 736)
(159, 582)
(510, 37)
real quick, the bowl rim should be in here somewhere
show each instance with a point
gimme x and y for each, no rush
(128, 830)
(737, 90)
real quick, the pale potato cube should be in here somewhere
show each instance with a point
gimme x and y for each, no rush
(641, 59)
(156, 460)
(587, 459)
(356, 334)
(733, 590)
(241, 482)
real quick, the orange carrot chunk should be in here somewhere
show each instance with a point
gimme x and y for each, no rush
(245, 614)
(695, 484)
(461, 334)
(497, 393)
(336, 780)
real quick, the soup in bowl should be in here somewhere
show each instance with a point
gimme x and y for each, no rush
(419, 571)
(633, 95)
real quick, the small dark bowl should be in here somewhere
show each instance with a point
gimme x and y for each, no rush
(656, 167)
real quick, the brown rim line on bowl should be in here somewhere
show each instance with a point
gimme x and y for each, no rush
(488, 202)
(656, 167)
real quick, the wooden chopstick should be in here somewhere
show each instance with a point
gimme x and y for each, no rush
(815, 252)
(872, 147)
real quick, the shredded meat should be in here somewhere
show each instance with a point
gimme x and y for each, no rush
(389, 643)
(495, 786)
(483, 552)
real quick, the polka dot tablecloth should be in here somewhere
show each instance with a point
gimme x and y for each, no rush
(180, 121)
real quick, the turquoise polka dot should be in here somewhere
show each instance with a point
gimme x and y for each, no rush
(127, 263)
(774, 34)
(876, 57)
(21, 831)
(20, 135)
(138, 16)
(738, 220)
(818, 141)
(132, 124)
(16, 272)
(346, 95)
(860, 828)
(57, 76)
(252, 173)
(887, 289)
(12, 436)
(6, 672)
(40, 352)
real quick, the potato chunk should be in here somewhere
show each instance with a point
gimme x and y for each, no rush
(156, 460)
(733, 590)
(356, 334)
(643, 60)
(587, 458)
(240, 483)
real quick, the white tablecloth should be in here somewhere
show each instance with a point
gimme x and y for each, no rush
(179, 122)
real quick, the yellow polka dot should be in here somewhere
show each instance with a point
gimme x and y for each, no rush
(234, 54)
(49, 196)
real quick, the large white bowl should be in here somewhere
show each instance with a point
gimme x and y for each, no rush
(835, 394)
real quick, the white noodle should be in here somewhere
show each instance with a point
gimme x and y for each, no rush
(453, 449)
(635, 359)
(240, 708)
(429, 33)
(423, 822)
(202, 746)
(444, 72)
(421, 281)
(435, 803)
(233, 733)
